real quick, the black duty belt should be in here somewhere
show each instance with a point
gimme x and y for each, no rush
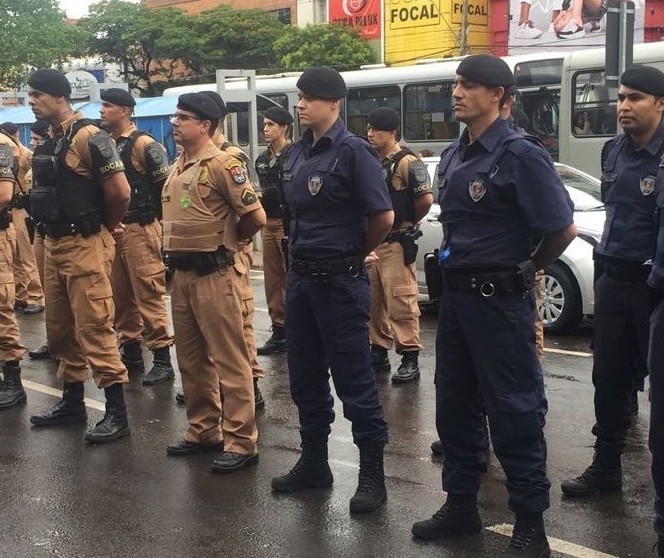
(626, 271)
(203, 263)
(61, 230)
(141, 217)
(41, 229)
(353, 265)
(486, 283)
(394, 236)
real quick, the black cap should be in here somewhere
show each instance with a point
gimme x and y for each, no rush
(216, 98)
(50, 81)
(644, 78)
(117, 96)
(384, 118)
(9, 128)
(40, 128)
(201, 105)
(279, 115)
(486, 69)
(322, 82)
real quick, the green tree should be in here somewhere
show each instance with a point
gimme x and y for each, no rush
(323, 45)
(34, 34)
(150, 46)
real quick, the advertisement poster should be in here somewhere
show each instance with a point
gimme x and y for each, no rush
(359, 14)
(539, 25)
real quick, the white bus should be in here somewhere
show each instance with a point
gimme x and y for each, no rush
(588, 106)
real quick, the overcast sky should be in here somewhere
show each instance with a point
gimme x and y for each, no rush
(78, 8)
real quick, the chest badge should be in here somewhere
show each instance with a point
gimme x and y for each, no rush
(476, 189)
(315, 184)
(185, 201)
(647, 185)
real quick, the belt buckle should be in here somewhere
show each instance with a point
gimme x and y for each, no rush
(354, 270)
(487, 290)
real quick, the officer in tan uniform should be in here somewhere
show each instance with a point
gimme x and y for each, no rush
(29, 293)
(209, 208)
(394, 310)
(138, 276)
(277, 126)
(11, 350)
(243, 261)
(80, 194)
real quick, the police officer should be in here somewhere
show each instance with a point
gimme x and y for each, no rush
(209, 209)
(277, 127)
(340, 211)
(12, 393)
(498, 191)
(80, 194)
(29, 293)
(655, 87)
(394, 310)
(623, 300)
(138, 277)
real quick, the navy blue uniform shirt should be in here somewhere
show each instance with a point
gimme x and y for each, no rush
(656, 279)
(628, 191)
(330, 189)
(497, 197)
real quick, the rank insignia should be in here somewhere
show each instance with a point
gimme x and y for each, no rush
(237, 171)
(248, 197)
(203, 176)
(185, 201)
(476, 189)
(315, 183)
(647, 185)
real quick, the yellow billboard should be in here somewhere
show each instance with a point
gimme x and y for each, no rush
(421, 29)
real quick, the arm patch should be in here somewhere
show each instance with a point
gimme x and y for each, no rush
(105, 157)
(7, 163)
(156, 162)
(418, 178)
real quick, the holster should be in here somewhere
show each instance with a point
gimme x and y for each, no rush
(30, 225)
(409, 244)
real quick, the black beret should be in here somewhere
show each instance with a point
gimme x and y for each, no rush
(384, 118)
(644, 78)
(117, 96)
(322, 82)
(486, 69)
(9, 128)
(50, 81)
(216, 98)
(201, 105)
(279, 115)
(40, 128)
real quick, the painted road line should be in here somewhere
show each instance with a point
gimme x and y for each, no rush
(90, 403)
(564, 547)
(566, 352)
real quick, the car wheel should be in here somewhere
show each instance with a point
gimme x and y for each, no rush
(561, 302)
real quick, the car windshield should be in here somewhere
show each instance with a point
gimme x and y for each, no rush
(583, 189)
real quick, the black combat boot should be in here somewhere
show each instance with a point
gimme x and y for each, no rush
(114, 425)
(380, 362)
(603, 475)
(179, 398)
(132, 357)
(40, 354)
(408, 370)
(162, 369)
(528, 538)
(458, 516)
(69, 410)
(437, 448)
(259, 402)
(371, 493)
(276, 344)
(12, 393)
(311, 470)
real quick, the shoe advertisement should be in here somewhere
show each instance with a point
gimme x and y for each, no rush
(567, 24)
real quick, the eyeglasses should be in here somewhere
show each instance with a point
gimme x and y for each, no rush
(183, 117)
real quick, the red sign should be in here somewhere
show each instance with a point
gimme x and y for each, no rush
(359, 14)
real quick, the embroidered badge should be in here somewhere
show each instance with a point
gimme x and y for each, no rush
(248, 197)
(237, 171)
(476, 189)
(647, 185)
(315, 184)
(203, 176)
(185, 201)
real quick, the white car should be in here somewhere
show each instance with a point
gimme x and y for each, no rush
(568, 283)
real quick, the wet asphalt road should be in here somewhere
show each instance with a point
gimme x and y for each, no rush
(61, 497)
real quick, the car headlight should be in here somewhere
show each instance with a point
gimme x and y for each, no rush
(591, 237)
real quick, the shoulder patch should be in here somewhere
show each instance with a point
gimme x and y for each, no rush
(248, 197)
(236, 170)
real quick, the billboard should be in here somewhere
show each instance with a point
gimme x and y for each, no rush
(538, 25)
(363, 15)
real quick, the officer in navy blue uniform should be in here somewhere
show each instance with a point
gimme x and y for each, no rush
(340, 211)
(623, 300)
(656, 350)
(498, 192)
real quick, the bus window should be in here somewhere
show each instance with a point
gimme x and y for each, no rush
(536, 73)
(428, 113)
(243, 120)
(362, 102)
(538, 112)
(594, 105)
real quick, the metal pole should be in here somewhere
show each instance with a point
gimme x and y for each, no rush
(463, 48)
(622, 45)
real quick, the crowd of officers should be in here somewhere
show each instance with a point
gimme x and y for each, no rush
(98, 210)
